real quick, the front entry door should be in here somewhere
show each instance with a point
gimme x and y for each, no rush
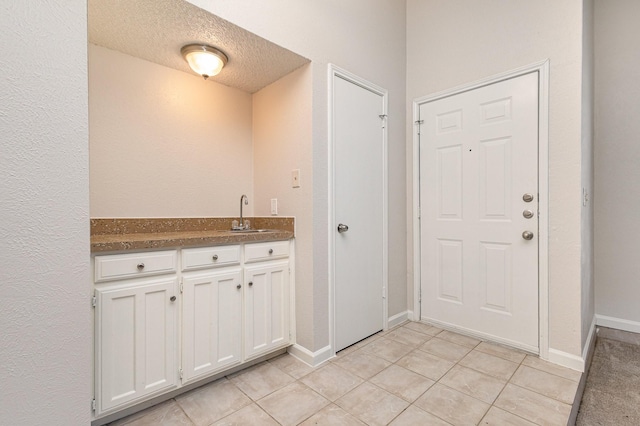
(479, 211)
(358, 140)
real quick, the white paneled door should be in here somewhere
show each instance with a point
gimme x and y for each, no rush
(479, 211)
(359, 154)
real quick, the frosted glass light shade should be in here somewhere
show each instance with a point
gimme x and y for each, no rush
(204, 60)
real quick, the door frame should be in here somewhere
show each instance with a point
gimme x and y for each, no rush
(336, 72)
(542, 68)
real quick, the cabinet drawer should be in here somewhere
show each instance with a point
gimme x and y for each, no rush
(265, 251)
(123, 266)
(208, 257)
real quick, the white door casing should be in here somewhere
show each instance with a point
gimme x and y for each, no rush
(358, 182)
(478, 155)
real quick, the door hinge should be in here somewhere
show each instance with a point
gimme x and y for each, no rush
(419, 212)
(93, 404)
(180, 373)
(94, 301)
(181, 286)
(418, 123)
(420, 295)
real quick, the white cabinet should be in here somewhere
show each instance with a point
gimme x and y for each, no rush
(266, 308)
(211, 322)
(189, 313)
(135, 340)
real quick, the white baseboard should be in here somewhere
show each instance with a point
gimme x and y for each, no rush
(311, 358)
(566, 359)
(590, 337)
(410, 316)
(397, 319)
(618, 323)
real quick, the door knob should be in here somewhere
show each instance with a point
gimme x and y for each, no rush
(342, 228)
(527, 198)
(527, 235)
(528, 214)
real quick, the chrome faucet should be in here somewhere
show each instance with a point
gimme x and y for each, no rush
(241, 224)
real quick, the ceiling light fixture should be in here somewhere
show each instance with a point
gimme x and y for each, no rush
(204, 60)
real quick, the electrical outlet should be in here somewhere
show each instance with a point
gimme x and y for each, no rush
(274, 206)
(295, 178)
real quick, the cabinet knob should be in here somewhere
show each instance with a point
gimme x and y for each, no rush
(140, 266)
(239, 286)
(270, 251)
(215, 257)
(172, 298)
(250, 283)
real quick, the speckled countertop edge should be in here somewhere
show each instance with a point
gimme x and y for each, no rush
(158, 233)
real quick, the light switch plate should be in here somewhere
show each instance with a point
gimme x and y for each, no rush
(274, 206)
(295, 178)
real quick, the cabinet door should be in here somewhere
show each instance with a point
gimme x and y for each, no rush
(211, 322)
(135, 341)
(266, 307)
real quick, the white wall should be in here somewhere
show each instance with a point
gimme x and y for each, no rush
(617, 160)
(165, 143)
(450, 43)
(587, 232)
(45, 358)
(282, 132)
(367, 38)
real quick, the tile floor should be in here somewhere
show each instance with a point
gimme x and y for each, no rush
(414, 374)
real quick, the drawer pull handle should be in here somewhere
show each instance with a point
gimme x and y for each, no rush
(238, 286)
(250, 283)
(140, 266)
(215, 257)
(270, 251)
(173, 298)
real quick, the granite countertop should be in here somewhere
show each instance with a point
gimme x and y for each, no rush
(144, 234)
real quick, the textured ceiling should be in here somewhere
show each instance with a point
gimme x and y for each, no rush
(155, 30)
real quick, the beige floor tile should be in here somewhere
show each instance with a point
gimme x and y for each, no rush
(452, 406)
(537, 363)
(532, 406)
(509, 354)
(261, 380)
(408, 337)
(332, 415)
(423, 328)
(459, 339)
(473, 383)
(402, 382)
(363, 364)
(425, 364)
(249, 415)
(372, 405)
(444, 349)
(413, 416)
(498, 417)
(292, 404)
(388, 349)
(489, 364)
(331, 381)
(212, 402)
(545, 383)
(167, 413)
(292, 366)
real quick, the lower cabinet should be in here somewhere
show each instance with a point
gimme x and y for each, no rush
(135, 340)
(168, 318)
(211, 322)
(266, 307)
